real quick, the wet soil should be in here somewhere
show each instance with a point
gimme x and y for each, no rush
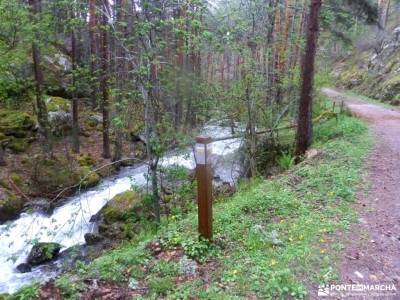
(372, 249)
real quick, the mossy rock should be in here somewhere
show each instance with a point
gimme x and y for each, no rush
(43, 252)
(57, 104)
(10, 205)
(391, 89)
(18, 145)
(85, 160)
(49, 175)
(3, 137)
(15, 123)
(88, 177)
(121, 207)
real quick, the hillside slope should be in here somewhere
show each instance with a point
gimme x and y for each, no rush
(374, 73)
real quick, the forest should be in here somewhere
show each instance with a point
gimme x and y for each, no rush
(104, 108)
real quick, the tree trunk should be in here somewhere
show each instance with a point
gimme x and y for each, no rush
(42, 114)
(2, 156)
(105, 105)
(120, 78)
(304, 127)
(93, 37)
(75, 104)
(153, 161)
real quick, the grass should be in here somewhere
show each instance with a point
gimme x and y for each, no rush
(273, 239)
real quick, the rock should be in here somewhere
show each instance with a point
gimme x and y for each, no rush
(311, 153)
(60, 123)
(127, 162)
(40, 205)
(85, 160)
(70, 256)
(55, 104)
(188, 266)
(95, 120)
(93, 238)
(24, 268)
(225, 189)
(10, 205)
(18, 145)
(16, 123)
(154, 247)
(43, 252)
(121, 207)
(88, 177)
(95, 218)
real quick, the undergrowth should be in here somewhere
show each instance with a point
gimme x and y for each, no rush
(273, 239)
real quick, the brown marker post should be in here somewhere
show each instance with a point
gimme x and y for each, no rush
(204, 186)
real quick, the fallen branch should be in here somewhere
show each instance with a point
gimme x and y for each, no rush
(17, 189)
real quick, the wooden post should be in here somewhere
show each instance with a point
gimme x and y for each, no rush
(204, 186)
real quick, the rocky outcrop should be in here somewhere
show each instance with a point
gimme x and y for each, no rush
(375, 73)
(10, 205)
(42, 253)
(117, 219)
(50, 175)
(17, 130)
(60, 123)
(57, 104)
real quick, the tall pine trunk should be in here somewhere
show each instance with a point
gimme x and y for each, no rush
(75, 104)
(304, 126)
(120, 77)
(93, 37)
(42, 115)
(105, 104)
(2, 156)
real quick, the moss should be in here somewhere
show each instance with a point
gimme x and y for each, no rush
(88, 177)
(57, 104)
(351, 76)
(17, 179)
(15, 122)
(3, 137)
(18, 145)
(10, 206)
(49, 175)
(391, 89)
(85, 160)
(120, 207)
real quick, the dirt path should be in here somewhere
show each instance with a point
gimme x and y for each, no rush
(372, 251)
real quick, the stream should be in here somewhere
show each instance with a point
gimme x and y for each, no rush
(69, 222)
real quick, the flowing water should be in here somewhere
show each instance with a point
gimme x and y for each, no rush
(68, 223)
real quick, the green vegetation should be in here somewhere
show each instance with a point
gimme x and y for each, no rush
(120, 208)
(270, 238)
(30, 292)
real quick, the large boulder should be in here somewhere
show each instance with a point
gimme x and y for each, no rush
(88, 178)
(17, 130)
(51, 175)
(10, 205)
(16, 123)
(60, 123)
(117, 219)
(42, 253)
(121, 207)
(58, 104)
